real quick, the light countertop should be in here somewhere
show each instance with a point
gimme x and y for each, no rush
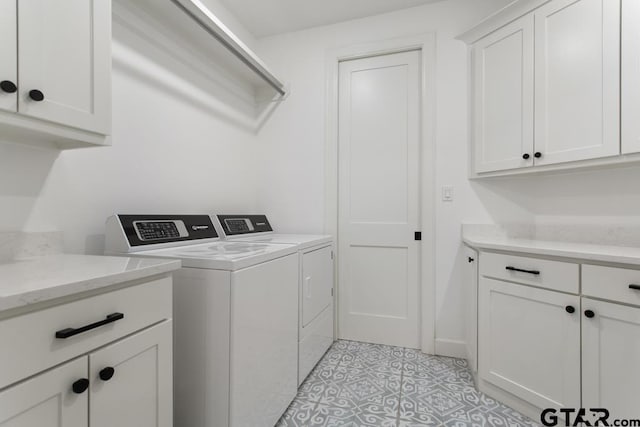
(32, 280)
(580, 251)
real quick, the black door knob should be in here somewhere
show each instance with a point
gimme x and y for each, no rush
(570, 309)
(80, 386)
(526, 156)
(8, 86)
(537, 154)
(589, 313)
(107, 373)
(470, 259)
(36, 95)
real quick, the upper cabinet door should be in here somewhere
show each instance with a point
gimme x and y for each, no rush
(610, 354)
(503, 86)
(577, 45)
(630, 76)
(64, 62)
(132, 381)
(8, 55)
(48, 400)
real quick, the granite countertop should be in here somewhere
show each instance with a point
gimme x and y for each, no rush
(581, 251)
(37, 279)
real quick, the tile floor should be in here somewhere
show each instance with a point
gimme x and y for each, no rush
(360, 384)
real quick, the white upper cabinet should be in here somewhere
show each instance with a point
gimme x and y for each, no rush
(630, 76)
(503, 91)
(65, 62)
(9, 55)
(546, 85)
(577, 80)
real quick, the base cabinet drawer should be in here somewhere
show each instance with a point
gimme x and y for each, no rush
(555, 275)
(47, 400)
(529, 343)
(610, 355)
(35, 345)
(612, 283)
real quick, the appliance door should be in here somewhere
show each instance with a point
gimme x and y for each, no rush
(317, 283)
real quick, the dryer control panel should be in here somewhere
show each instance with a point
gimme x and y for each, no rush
(141, 230)
(234, 225)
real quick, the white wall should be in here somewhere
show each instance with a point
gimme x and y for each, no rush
(173, 152)
(292, 176)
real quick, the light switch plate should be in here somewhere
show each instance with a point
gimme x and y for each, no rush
(447, 193)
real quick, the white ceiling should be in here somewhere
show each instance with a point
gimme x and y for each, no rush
(268, 17)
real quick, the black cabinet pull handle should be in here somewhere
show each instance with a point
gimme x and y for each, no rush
(107, 373)
(36, 95)
(470, 259)
(8, 86)
(537, 154)
(69, 332)
(534, 272)
(634, 287)
(570, 309)
(80, 386)
(526, 156)
(589, 313)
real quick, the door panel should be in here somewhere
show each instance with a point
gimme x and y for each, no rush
(503, 110)
(577, 80)
(529, 345)
(140, 393)
(630, 76)
(64, 53)
(610, 354)
(47, 399)
(8, 52)
(379, 149)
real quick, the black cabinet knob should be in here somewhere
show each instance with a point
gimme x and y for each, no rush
(107, 373)
(80, 386)
(570, 309)
(526, 156)
(537, 154)
(589, 313)
(8, 86)
(36, 95)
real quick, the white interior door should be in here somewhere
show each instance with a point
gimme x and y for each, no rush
(9, 55)
(379, 200)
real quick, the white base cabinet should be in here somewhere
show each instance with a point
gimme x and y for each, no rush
(555, 333)
(610, 355)
(47, 400)
(126, 383)
(529, 343)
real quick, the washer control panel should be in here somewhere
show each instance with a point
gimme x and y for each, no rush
(153, 229)
(234, 225)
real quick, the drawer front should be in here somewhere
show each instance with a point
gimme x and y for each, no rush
(30, 344)
(555, 275)
(616, 284)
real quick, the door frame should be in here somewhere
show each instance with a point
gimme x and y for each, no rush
(426, 43)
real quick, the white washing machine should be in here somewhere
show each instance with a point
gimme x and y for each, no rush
(235, 318)
(316, 300)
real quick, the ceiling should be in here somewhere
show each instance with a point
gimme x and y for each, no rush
(269, 17)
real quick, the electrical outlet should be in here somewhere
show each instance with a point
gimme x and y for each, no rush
(447, 193)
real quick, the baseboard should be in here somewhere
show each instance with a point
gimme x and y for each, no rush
(451, 348)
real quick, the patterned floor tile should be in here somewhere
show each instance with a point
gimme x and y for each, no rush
(360, 385)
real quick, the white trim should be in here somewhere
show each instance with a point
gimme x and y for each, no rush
(426, 43)
(451, 348)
